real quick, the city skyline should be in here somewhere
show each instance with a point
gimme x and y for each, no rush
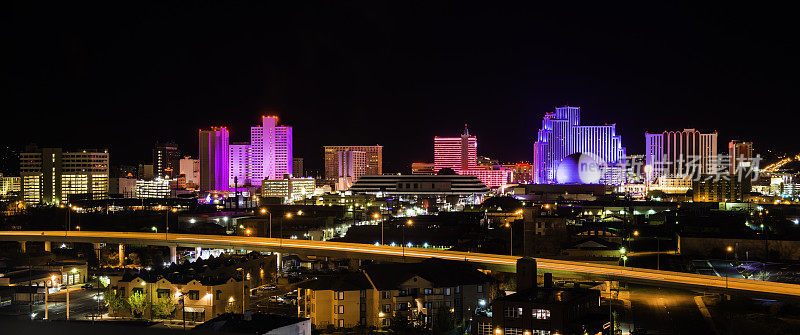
(690, 78)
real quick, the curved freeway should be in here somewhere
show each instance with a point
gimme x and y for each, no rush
(584, 270)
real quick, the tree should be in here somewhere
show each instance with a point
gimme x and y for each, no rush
(444, 322)
(400, 323)
(230, 307)
(113, 300)
(137, 302)
(164, 307)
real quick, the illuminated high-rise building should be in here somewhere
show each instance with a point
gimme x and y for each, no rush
(740, 155)
(680, 154)
(563, 135)
(374, 160)
(461, 155)
(166, 160)
(457, 153)
(352, 165)
(268, 155)
(214, 159)
(51, 176)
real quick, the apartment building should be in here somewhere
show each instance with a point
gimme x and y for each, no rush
(381, 292)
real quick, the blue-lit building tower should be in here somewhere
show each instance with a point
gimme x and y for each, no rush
(562, 136)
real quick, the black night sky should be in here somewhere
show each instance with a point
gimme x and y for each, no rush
(123, 74)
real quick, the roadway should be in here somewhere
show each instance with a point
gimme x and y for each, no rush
(583, 270)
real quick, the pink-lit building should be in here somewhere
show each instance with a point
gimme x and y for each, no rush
(461, 155)
(491, 178)
(457, 153)
(214, 155)
(268, 155)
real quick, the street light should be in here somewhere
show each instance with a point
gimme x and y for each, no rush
(511, 230)
(623, 256)
(166, 223)
(243, 293)
(183, 309)
(46, 293)
(409, 223)
(265, 211)
(378, 216)
(74, 271)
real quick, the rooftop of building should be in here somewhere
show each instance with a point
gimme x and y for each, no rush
(442, 273)
(210, 272)
(351, 281)
(547, 295)
(247, 323)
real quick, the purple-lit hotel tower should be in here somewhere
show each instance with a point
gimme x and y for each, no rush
(562, 135)
(214, 152)
(267, 156)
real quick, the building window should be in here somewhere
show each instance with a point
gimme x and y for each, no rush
(540, 332)
(485, 328)
(162, 293)
(480, 288)
(219, 294)
(387, 294)
(387, 308)
(386, 322)
(458, 289)
(137, 290)
(541, 314)
(341, 323)
(338, 295)
(513, 331)
(427, 291)
(340, 309)
(427, 305)
(512, 312)
(193, 295)
(447, 291)
(363, 293)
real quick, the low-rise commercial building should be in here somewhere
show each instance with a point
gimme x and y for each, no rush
(9, 185)
(420, 185)
(156, 188)
(289, 189)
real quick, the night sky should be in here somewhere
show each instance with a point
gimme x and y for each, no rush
(122, 75)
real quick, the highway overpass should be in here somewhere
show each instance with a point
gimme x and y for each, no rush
(570, 269)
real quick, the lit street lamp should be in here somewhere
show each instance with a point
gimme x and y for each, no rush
(265, 211)
(74, 272)
(409, 223)
(623, 256)
(511, 230)
(378, 216)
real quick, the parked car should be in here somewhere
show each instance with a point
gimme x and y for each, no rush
(87, 286)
